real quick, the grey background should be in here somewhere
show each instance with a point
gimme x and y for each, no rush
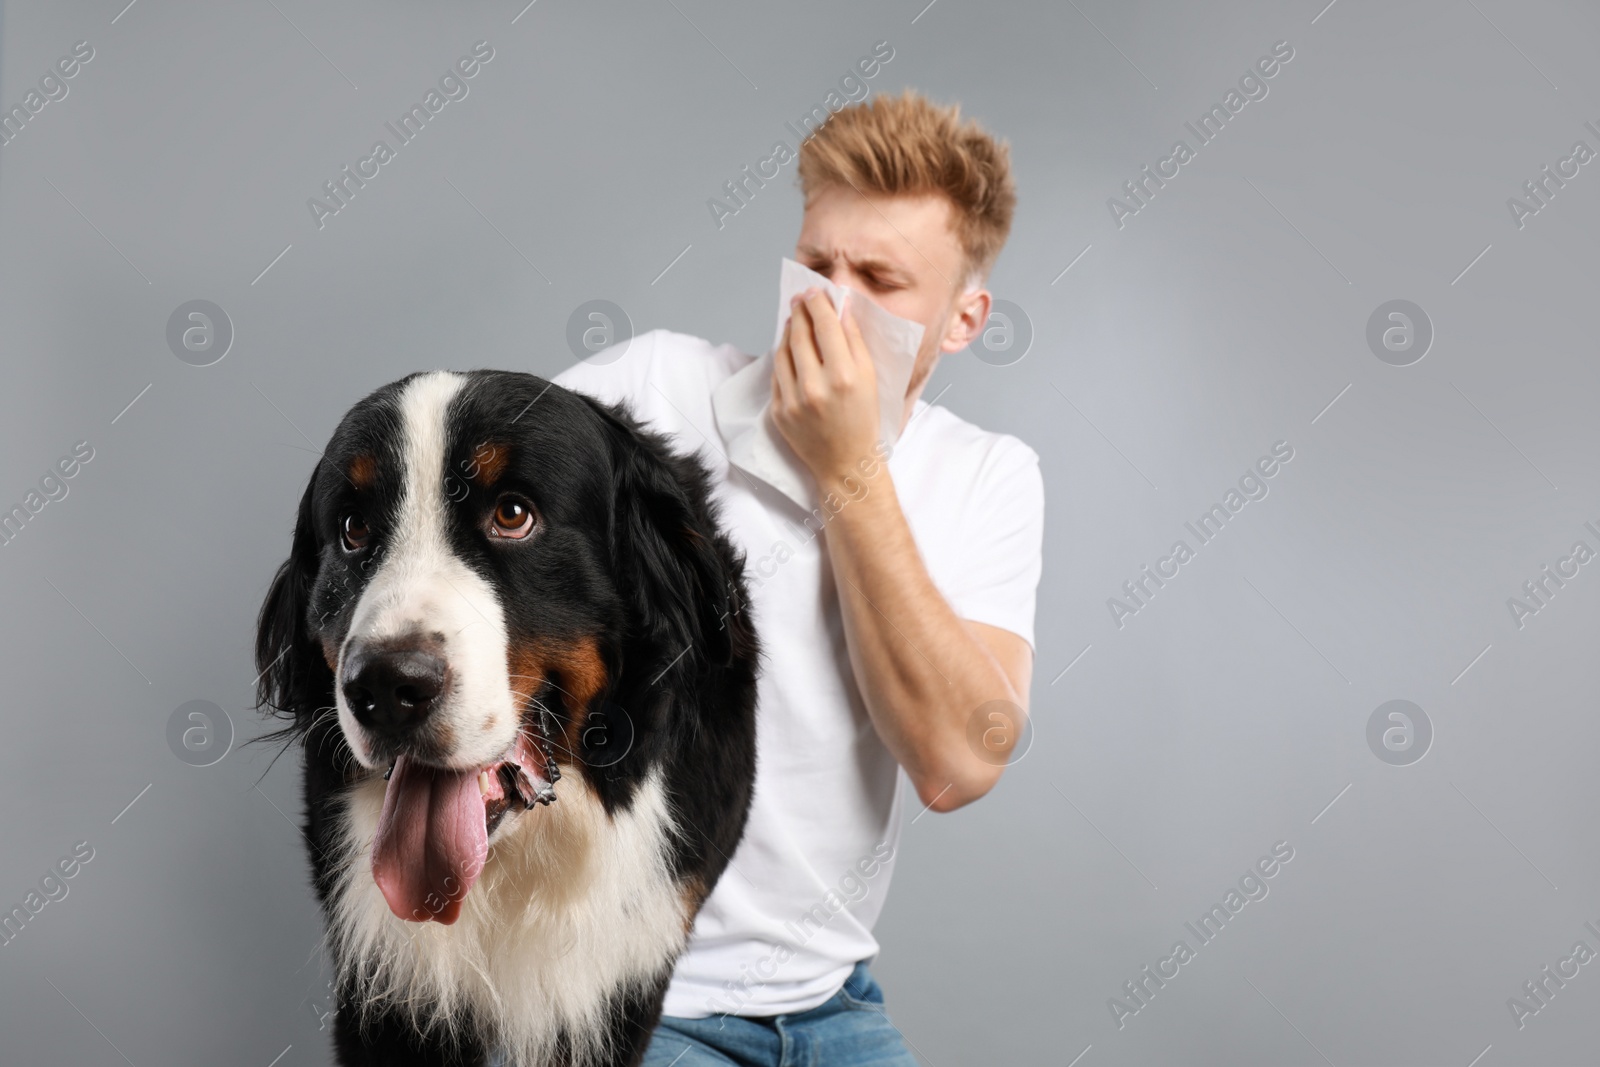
(1224, 317)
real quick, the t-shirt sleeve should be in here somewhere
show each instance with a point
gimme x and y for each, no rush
(1002, 543)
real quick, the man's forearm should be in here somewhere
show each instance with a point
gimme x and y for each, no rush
(921, 671)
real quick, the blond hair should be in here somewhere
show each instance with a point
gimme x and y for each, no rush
(906, 145)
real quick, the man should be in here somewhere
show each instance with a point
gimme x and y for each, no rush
(896, 618)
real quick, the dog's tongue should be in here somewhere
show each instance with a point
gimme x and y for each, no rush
(431, 841)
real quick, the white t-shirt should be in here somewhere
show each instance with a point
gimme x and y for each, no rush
(795, 910)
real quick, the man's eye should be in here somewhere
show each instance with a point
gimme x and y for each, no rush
(512, 518)
(353, 528)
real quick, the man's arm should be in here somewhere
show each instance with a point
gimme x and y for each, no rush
(923, 671)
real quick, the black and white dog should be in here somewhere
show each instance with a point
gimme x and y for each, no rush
(509, 637)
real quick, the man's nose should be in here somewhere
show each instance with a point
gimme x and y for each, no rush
(393, 686)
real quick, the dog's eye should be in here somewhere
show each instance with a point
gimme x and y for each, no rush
(512, 518)
(354, 530)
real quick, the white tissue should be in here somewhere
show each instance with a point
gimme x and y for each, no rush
(741, 402)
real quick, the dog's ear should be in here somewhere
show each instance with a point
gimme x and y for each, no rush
(684, 581)
(294, 676)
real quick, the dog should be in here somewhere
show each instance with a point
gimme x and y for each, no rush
(510, 639)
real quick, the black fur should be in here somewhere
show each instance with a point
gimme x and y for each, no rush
(629, 553)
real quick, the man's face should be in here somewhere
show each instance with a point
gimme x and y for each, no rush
(900, 252)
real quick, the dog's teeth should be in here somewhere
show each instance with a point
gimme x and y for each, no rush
(483, 782)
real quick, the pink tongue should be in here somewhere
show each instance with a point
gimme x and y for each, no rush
(431, 841)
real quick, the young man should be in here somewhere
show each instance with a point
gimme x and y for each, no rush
(896, 618)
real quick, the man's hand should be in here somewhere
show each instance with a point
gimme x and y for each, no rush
(825, 390)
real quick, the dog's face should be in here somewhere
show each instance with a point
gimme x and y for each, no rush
(457, 554)
(475, 557)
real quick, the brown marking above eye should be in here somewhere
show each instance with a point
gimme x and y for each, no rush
(363, 471)
(488, 462)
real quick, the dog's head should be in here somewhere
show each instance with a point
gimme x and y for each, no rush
(493, 579)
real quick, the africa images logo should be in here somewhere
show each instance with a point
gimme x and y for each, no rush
(852, 90)
(1252, 886)
(1252, 86)
(1253, 485)
(52, 87)
(1538, 591)
(52, 486)
(452, 86)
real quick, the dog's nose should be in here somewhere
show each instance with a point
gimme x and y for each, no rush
(392, 689)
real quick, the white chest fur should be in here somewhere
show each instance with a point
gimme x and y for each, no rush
(573, 907)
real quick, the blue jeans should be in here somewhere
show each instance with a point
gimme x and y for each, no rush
(849, 1029)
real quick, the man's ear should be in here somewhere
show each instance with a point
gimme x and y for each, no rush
(969, 318)
(683, 580)
(294, 678)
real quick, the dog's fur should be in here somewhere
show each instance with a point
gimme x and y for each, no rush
(622, 616)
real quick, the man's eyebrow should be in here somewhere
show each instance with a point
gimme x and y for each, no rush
(883, 269)
(865, 265)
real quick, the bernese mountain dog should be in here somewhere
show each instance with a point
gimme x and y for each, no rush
(510, 639)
